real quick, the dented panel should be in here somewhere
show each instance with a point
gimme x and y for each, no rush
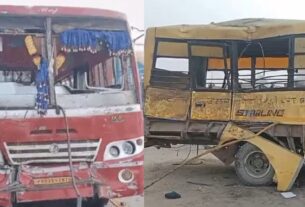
(167, 103)
(211, 105)
(282, 106)
(286, 164)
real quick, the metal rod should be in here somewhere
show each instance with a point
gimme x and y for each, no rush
(50, 58)
(234, 66)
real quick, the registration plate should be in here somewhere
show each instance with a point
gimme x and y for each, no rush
(52, 180)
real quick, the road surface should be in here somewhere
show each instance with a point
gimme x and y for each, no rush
(207, 183)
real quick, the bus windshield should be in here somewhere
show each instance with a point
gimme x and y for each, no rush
(76, 59)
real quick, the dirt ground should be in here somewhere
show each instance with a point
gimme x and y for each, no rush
(207, 182)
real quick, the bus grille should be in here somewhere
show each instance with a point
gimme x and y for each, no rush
(52, 152)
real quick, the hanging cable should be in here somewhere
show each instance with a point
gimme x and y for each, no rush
(79, 198)
(263, 53)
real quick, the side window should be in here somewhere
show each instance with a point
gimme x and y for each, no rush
(107, 74)
(263, 64)
(266, 72)
(210, 66)
(25, 77)
(171, 69)
(129, 73)
(299, 62)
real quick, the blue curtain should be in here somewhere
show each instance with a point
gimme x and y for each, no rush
(75, 40)
(42, 85)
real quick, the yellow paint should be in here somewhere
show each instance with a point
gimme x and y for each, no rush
(30, 45)
(172, 49)
(59, 61)
(52, 180)
(299, 45)
(287, 107)
(149, 54)
(299, 61)
(245, 63)
(207, 51)
(241, 29)
(286, 164)
(167, 103)
(214, 106)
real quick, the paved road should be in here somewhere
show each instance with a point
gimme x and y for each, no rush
(134, 201)
(213, 184)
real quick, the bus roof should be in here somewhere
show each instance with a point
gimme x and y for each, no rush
(242, 29)
(8, 10)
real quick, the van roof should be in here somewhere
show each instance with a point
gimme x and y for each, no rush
(241, 29)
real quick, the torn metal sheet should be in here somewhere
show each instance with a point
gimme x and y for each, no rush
(286, 164)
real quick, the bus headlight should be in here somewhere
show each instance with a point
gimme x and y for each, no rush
(121, 149)
(114, 151)
(126, 176)
(128, 148)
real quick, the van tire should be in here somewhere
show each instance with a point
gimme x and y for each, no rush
(252, 166)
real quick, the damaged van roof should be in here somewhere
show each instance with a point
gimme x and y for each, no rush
(241, 29)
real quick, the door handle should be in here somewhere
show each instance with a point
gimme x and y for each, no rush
(199, 104)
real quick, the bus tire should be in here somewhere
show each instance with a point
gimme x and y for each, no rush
(252, 166)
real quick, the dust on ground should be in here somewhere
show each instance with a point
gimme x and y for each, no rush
(207, 182)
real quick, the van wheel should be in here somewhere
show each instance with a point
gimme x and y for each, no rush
(252, 166)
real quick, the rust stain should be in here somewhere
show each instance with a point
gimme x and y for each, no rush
(211, 105)
(277, 106)
(167, 103)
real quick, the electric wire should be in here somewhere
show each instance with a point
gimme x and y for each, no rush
(79, 198)
(217, 147)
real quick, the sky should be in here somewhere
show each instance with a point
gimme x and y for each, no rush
(168, 12)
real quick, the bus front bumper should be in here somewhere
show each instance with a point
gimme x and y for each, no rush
(106, 181)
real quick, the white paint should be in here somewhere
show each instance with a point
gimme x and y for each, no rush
(288, 194)
(123, 155)
(125, 164)
(41, 170)
(49, 154)
(1, 44)
(32, 155)
(76, 112)
(47, 146)
(122, 180)
(80, 166)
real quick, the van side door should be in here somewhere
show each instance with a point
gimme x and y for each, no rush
(211, 83)
(168, 94)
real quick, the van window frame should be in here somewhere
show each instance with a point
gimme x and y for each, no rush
(217, 43)
(290, 69)
(156, 56)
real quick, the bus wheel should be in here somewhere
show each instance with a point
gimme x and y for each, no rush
(252, 166)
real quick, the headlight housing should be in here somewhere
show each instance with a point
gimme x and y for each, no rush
(124, 148)
(114, 151)
(128, 147)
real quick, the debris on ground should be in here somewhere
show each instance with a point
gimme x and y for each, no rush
(197, 183)
(288, 194)
(172, 195)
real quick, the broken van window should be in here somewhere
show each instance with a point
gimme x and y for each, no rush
(171, 72)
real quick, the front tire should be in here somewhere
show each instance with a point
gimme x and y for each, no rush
(252, 166)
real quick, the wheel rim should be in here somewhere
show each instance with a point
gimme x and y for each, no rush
(257, 164)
